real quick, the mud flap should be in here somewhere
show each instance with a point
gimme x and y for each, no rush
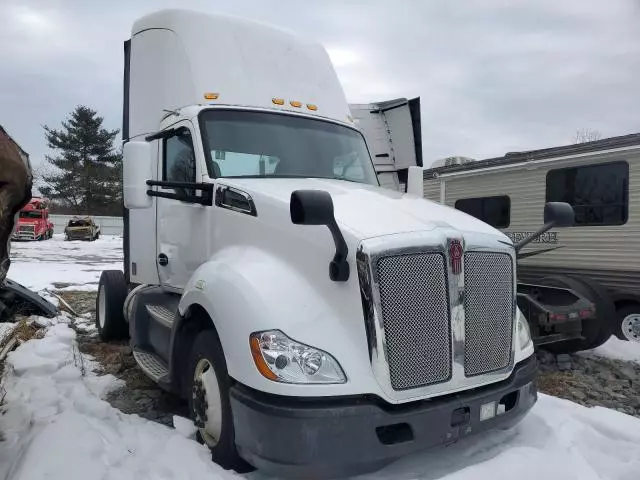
(16, 298)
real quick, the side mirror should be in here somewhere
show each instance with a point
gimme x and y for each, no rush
(315, 207)
(136, 170)
(556, 214)
(560, 214)
(311, 207)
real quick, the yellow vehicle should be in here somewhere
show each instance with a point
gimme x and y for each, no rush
(82, 228)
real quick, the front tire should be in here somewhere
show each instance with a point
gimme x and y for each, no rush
(208, 394)
(112, 292)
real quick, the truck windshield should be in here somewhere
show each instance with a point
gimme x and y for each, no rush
(259, 144)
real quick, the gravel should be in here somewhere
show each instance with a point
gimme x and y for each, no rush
(591, 381)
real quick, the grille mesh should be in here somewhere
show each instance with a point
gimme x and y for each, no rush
(488, 312)
(415, 312)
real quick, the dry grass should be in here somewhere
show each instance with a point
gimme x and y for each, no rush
(556, 383)
(25, 331)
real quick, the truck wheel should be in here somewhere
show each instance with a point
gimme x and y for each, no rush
(627, 325)
(596, 331)
(208, 395)
(112, 291)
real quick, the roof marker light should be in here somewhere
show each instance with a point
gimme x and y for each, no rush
(278, 101)
(295, 103)
(211, 96)
(311, 106)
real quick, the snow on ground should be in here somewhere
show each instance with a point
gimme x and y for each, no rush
(72, 265)
(618, 350)
(56, 426)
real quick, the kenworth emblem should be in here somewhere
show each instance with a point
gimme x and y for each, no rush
(455, 256)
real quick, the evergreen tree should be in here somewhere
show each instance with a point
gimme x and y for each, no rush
(88, 170)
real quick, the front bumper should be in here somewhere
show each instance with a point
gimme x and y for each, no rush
(325, 438)
(79, 235)
(23, 236)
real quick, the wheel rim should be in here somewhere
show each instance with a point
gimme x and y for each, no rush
(207, 404)
(102, 306)
(631, 327)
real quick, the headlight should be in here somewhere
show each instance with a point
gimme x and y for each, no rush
(524, 334)
(281, 359)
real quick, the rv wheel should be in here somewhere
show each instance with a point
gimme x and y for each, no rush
(208, 395)
(627, 325)
(112, 291)
(595, 331)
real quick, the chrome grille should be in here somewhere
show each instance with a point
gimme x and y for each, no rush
(415, 313)
(488, 302)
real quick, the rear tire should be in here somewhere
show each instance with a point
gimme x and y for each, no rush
(112, 292)
(596, 331)
(627, 326)
(207, 391)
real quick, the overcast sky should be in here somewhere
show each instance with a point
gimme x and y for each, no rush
(493, 76)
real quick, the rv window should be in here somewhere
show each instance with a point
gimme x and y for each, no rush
(599, 194)
(179, 162)
(496, 211)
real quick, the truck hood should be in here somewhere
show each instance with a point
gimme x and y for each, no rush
(364, 210)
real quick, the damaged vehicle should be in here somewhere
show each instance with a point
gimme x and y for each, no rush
(82, 228)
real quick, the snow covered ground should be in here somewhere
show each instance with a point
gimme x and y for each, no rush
(56, 426)
(618, 350)
(73, 265)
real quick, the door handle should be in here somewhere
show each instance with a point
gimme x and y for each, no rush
(163, 260)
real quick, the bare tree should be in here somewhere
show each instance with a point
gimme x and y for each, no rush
(584, 135)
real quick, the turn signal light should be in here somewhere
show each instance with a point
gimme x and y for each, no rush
(261, 365)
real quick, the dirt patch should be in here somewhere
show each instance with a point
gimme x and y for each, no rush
(140, 395)
(80, 302)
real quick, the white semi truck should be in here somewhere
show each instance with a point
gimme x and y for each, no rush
(318, 324)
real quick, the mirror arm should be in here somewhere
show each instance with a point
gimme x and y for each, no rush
(527, 240)
(161, 134)
(339, 267)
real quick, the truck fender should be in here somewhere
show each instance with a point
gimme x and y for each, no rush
(249, 290)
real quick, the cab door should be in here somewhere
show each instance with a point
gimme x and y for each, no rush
(181, 217)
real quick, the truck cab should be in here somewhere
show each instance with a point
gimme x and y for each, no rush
(318, 324)
(33, 221)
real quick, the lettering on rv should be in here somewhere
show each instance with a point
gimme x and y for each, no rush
(547, 237)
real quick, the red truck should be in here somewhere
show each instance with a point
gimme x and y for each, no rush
(34, 223)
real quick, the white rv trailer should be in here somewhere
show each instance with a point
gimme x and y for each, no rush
(315, 321)
(599, 179)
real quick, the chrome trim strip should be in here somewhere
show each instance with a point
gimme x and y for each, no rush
(434, 241)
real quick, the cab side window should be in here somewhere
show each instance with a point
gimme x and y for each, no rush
(179, 161)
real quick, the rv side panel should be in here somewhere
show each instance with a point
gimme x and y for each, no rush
(432, 189)
(605, 253)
